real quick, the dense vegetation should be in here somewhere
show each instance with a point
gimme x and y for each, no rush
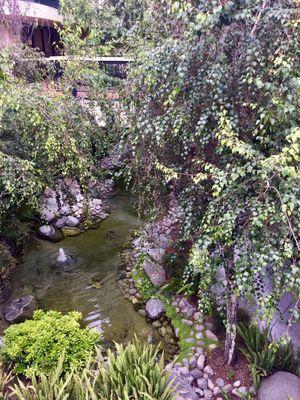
(212, 118)
(133, 372)
(35, 346)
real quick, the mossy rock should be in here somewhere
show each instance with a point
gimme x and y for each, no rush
(70, 231)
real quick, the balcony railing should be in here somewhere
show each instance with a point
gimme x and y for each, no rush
(114, 66)
(50, 3)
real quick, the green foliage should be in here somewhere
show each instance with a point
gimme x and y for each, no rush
(141, 280)
(215, 114)
(45, 133)
(35, 346)
(133, 373)
(184, 332)
(7, 262)
(265, 356)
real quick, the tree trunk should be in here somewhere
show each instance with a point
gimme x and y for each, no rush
(231, 326)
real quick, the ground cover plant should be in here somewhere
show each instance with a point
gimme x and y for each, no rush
(35, 346)
(134, 372)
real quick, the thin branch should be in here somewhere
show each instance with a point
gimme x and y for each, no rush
(258, 18)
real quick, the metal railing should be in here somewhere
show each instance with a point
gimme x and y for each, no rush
(50, 3)
(113, 66)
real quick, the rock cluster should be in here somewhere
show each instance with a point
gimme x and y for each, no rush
(194, 377)
(66, 206)
(158, 237)
(153, 311)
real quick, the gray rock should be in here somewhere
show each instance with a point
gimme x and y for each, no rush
(60, 222)
(201, 361)
(199, 335)
(220, 382)
(154, 308)
(241, 392)
(193, 362)
(216, 391)
(184, 371)
(208, 369)
(211, 336)
(207, 394)
(196, 373)
(48, 232)
(156, 254)
(280, 386)
(187, 322)
(155, 272)
(202, 383)
(183, 387)
(163, 241)
(19, 309)
(227, 388)
(143, 313)
(199, 328)
(72, 221)
(189, 340)
(197, 316)
(210, 384)
(237, 384)
(199, 391)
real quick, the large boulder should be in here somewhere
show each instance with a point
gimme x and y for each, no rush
(19, 309)
(280, 386)
(155, 272)
(154, 308)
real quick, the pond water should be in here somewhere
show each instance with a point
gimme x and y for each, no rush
(88, 284)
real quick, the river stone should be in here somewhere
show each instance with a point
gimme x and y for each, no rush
(48, 232)
(182, 387)
(61, 222)
(19, 309)
(155, 272)
(70, 231)
(72, 221)
(211, 336)
(154, 308)
(280, 386)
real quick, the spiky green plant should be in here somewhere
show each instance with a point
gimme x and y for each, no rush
(132, 373)
(265, 356)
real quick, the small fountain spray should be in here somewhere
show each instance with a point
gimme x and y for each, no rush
(62, 257)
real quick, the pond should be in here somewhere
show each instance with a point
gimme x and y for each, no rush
(88, 284)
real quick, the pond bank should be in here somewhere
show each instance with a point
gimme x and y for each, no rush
(89, 283)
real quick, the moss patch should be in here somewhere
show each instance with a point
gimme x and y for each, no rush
(184, 332)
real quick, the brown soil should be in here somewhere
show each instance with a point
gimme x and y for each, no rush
(238, 371)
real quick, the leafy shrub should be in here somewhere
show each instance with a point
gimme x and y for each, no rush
(132, 373)
(265, 356)
(7, 262)
(36, 345)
